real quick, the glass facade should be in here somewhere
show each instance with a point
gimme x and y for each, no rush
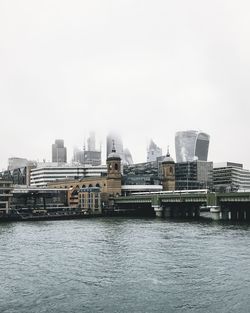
(191, 145)
(193, 175)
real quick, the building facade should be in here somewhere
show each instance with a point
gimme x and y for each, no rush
(91, 156)
(6, 188)
(191, 145)
(59, 152)
(147, 173)
(90, 200)
(153, 152)
(230, 176)
(46, 173)
(194, 175)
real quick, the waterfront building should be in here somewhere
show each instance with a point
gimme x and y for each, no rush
(6, 188)
(45, 173)
(29, 198)
(194, 175)
(191, 145)
(89, 200)
(153, 152)
(59, 152)
(229, 176)
(109, 184)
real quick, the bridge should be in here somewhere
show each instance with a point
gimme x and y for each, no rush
(187, 203)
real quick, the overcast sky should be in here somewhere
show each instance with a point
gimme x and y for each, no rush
(145, 68)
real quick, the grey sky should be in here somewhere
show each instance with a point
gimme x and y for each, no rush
(147, 68)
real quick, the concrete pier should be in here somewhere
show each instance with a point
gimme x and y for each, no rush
(215, 213)
(158, 210)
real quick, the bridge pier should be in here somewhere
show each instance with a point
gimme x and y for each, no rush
(158, 210)
(215, 213)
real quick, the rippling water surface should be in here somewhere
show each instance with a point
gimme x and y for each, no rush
(124, 265)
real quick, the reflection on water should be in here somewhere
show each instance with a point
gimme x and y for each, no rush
(124, 265)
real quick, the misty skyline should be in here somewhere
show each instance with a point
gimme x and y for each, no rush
(146, 69)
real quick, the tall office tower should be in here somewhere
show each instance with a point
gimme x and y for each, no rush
(128, 160)
(59, 152)
(153, 152)
(91, 141)
(91, 156)
(114, 138)
(191, 145)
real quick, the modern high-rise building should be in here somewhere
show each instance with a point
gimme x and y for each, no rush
(59, 152)
(191, 145)
(113, 139)
(91, 141)
(153, 152)
(128, 160)
(91, 156)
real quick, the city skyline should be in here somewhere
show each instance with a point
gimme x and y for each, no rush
(71, 150)
(145, 69)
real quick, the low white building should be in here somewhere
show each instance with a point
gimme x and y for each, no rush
(49, 172)
(230, 176)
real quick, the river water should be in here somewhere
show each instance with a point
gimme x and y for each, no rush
(124, 265)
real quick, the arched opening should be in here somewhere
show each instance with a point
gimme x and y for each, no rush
(116, 166)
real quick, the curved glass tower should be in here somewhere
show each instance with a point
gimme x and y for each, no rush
(191, 145)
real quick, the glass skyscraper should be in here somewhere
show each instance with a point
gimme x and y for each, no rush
(191, 145)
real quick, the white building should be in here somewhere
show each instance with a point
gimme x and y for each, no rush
(49, 172)
(153, 152)
(230, 176)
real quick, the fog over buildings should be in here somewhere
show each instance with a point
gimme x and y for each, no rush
(147, 69)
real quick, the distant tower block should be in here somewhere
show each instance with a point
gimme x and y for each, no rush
(153, 152)
(59, 152)
(168, 169)
(114, 137)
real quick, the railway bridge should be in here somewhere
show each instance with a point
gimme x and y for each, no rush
(187, 204)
